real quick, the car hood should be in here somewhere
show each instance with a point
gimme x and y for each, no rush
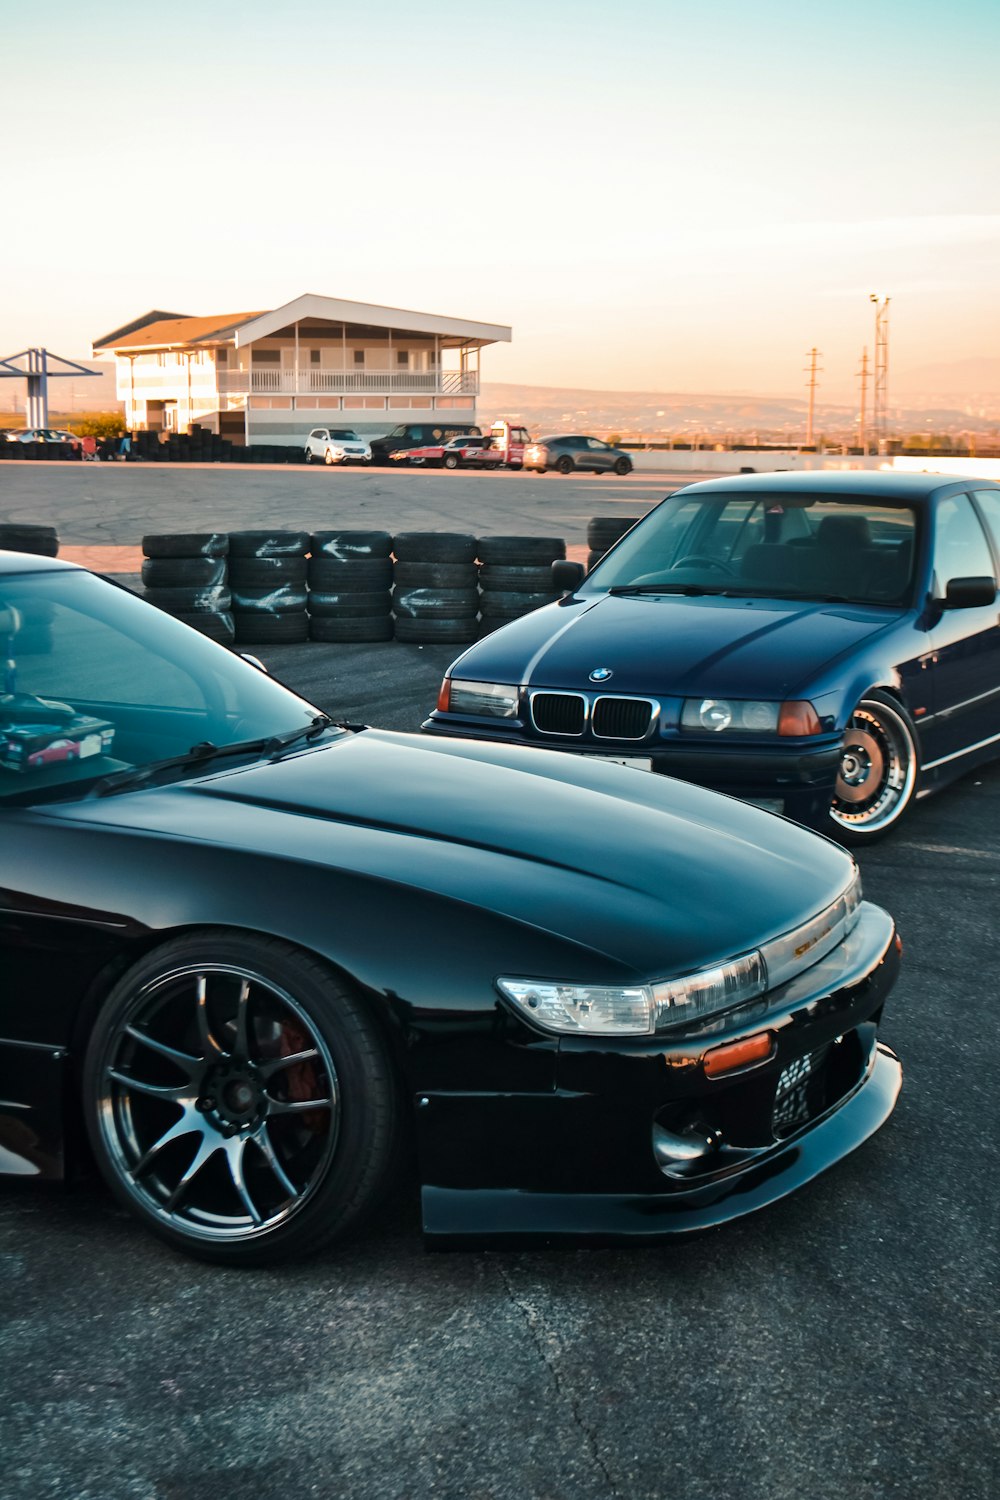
(665, 644)
(652, 873)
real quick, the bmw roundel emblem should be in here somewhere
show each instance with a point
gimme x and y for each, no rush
(601, 674)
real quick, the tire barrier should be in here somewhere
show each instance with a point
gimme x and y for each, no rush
(268, 578)
(350, 584)
(603, 532)
(515, 576)
(42, 541)
(435, 595)
(185, 574)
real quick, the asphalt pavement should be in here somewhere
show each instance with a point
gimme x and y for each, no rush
(841, 1345)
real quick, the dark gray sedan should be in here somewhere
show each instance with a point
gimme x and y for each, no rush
(576, 452)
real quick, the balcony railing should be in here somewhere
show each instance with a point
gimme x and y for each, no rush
(310, 382)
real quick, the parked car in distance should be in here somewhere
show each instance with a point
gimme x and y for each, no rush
(566, 454)
(418, 435)
(43, 435)
(467, 449)
(826, 644)
(264, 961)
(337, 445)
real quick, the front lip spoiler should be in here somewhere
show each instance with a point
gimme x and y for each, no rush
(456, 1218)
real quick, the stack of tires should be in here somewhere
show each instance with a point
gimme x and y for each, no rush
(16, 536)
(350, 586)
(603, 532)
(515, 576)
(268, 579)
(435, 597)
(184, 573)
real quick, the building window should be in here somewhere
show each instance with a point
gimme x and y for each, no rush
(359, 356)
(222, 356)
(266, 356)
(364, 403)
(402, 356)
(314, 356)
(455, 403)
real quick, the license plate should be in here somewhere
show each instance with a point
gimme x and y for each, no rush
(637, 762)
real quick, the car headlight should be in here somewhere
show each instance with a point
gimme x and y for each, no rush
(750, 716)
(488, 700)
(644, 1009)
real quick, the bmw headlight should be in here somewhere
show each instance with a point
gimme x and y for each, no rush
(749, 716)
(485, 700)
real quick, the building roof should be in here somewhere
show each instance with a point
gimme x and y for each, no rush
(158, 330)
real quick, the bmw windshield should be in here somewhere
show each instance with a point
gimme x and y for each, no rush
(95, 683)
(776, 546)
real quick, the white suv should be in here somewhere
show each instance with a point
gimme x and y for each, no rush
(337, 445)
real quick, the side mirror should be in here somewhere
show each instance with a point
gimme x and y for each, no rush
(567, 576)
(969, 593)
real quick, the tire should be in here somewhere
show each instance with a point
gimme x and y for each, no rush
(350, 546)
(217, 626)
(436, 575)
(623, 466)
(565, 465)
(517, 580)
(436, 604)
(604, 531)
(257, 628)
(308, 456)
(190, 600)
(282, 1179)
(268, 543)
(593, 558)
(878, 775)
(434, 546)
(504, 603)
(521, 551)
(329, 576)
(279, 599)
(426, 632)
(186, 544)
(344, 628)
(349, 605)
(42, 541)
(329, 459)
(451, 461)
(267, 571)
(174, 572)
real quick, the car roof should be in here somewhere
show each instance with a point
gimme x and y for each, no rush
(892, 484)
(31, 562)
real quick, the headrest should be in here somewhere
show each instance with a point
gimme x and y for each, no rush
(843, 531)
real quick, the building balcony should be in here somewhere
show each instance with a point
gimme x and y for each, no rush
(312, 382)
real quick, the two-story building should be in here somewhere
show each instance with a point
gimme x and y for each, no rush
(269, 377)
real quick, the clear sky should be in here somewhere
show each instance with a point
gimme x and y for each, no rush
(683, 195)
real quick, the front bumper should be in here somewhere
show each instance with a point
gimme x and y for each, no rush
(580, 1162)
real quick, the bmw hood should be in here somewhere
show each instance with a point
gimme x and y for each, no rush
(618, 861)
(669, 645)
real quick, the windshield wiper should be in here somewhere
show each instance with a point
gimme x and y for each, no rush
(665, 588)
(205, 753)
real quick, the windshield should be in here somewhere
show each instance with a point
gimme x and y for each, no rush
(787, 547)
(345, 434)
(95, 680)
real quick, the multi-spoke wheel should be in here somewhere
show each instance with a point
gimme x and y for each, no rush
(239, 1098)
(878, 770)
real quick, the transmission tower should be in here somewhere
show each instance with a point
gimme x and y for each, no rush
(880, 405)
(811, 370)
(863, 377)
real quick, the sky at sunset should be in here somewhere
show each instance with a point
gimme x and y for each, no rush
(655, 195)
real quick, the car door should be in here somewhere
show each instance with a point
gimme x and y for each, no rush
(598, 455)
(965, 642)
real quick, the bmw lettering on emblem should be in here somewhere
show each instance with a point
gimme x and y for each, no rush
(601, 674)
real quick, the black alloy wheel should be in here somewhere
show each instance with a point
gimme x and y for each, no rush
(877, 779)
(565, 464)
(309, 456)
(623, 466)
(239, 1098)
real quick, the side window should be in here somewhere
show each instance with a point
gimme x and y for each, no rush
(989, 504)
(960, 546)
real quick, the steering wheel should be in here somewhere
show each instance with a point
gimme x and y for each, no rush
(698, 560)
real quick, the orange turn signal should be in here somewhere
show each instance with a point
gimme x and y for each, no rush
(444, 696)
(798, 718)
(745, 1053)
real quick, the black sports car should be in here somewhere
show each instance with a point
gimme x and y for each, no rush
(251, 960)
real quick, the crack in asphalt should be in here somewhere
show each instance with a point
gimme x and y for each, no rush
(542, 1334)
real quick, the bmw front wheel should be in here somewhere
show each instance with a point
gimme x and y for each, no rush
(877, 779)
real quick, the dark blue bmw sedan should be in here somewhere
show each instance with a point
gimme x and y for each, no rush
(826, 645)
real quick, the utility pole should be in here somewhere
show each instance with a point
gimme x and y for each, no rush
(863, 376)
(811, 372)
(880, 406)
